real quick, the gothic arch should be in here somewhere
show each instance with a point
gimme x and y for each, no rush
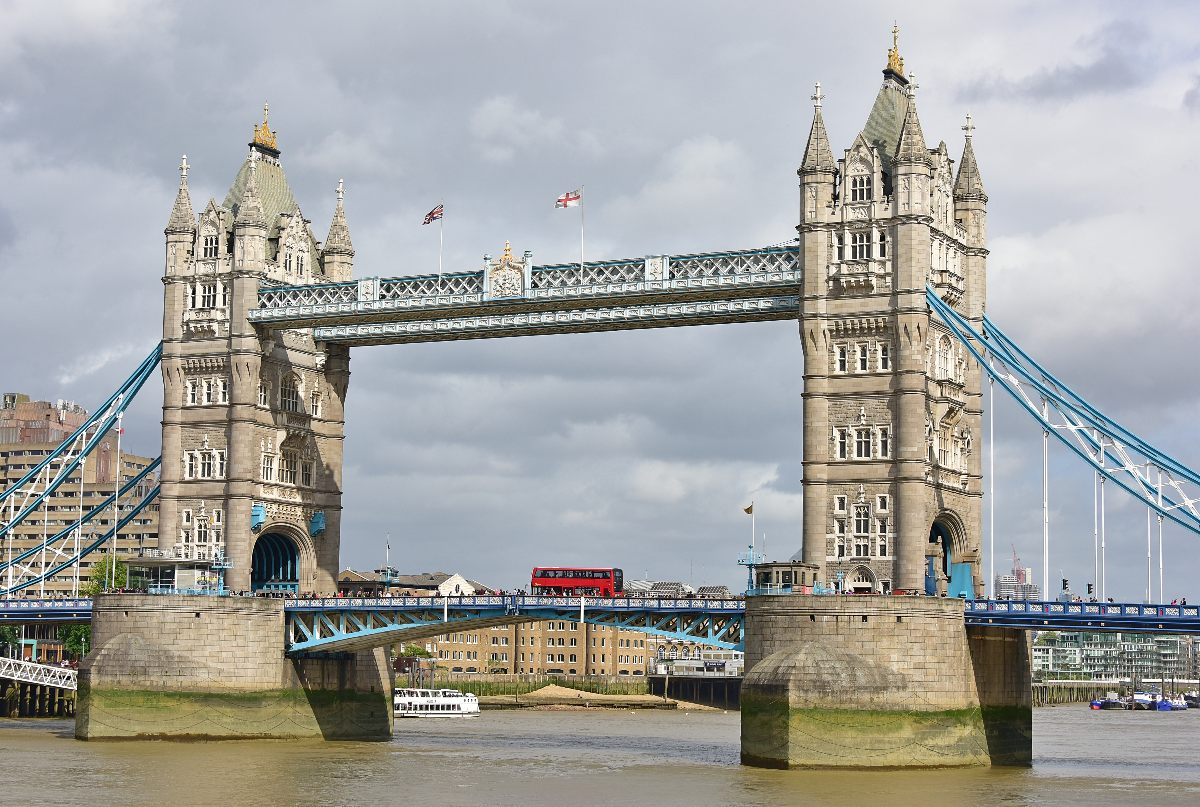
(862, 581)
(283, 559)
(948, 568)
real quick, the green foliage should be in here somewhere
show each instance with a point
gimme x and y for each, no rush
(415, 651)
(76, 639)
(98, 579)
(9, 635)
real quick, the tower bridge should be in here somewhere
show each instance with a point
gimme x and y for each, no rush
(886, 281)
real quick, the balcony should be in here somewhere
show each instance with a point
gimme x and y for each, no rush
(868, 276)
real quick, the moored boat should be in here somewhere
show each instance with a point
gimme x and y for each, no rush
(433, 703)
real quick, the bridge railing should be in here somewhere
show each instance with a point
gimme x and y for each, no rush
(1083, 609)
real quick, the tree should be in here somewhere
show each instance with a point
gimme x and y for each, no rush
(99, 578)
(412, 650)
(10, 636)
(76, 639)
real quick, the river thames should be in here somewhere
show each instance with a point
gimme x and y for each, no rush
(599, 757)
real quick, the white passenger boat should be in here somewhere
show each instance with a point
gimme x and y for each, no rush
(434, 703)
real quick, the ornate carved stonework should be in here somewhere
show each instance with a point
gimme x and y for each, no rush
(507, 275)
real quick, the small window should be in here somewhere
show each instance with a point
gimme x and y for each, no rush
(839, 504)
(314, 404)
(264, 393)
(306, 474)
(206, 465)
(842, 359)
(881, 502)
(863, 358)
(268, 467)
(224, 385)
(860, 246)
(208, 391)
(208, 295)
(193, 395)
(840, 244)
(187, 517)
(885, 356)
(843, 444)
(862, 519)
(210, 246)
(882, 244)
(885, 442)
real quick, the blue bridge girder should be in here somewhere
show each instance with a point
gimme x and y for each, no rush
(1086, 617)
(656, 291)
(352, 623)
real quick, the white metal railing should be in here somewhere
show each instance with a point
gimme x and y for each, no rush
(32, 673)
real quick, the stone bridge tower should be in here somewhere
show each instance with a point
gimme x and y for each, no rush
(253, 419)
(892, 404)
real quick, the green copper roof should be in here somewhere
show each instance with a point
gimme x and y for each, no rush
(886, 121)
(273, 190)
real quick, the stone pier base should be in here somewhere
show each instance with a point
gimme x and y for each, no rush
(180, 667)
(881, 682)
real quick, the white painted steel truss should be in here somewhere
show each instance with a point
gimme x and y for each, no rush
(655, 291)
(31, 673)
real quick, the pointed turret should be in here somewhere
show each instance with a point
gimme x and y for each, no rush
(250, 208)
(911, 148)
(817, 154)
(182, 220)
(337, 253)
(969, 185)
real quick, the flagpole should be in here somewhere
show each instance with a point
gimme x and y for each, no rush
(441, 239)
(582, 188)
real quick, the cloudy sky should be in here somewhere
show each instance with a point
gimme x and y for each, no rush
(685, 121)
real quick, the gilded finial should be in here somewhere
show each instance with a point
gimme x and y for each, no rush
(183, 169)
(969, 127)
(817, 96)
(507, 256)
(263, 136)
(894, 61)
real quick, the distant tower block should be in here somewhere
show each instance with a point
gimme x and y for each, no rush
(892, 405)
(253, 419)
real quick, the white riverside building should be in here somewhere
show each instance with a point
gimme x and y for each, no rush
(1115, 656)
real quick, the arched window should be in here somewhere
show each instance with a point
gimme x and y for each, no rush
(289, 395)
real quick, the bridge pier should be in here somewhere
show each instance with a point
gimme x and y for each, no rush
(881, 682)
(183, 667)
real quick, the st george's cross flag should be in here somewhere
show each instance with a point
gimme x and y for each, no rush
(434, 215)
(570, 199)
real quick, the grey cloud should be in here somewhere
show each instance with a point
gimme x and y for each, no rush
(1123, 58)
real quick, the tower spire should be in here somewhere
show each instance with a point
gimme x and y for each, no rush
(817, 154)
(250, 208)
(912, 147)
(338, 241)
(182, 219)
(969, 184)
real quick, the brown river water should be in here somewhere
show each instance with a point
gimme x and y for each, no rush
(598, 757)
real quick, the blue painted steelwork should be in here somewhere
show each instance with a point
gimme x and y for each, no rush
(275, 565)
(258, 516)
(30, 611)
(346, 624)
(1092, 617)
(1111, 450)
(316, 524)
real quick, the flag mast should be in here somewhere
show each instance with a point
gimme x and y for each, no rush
(441, 239)
(582, 188)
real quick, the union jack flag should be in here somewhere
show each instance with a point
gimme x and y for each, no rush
(434, 215)
(570, 199)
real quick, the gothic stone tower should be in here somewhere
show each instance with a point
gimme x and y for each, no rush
(253, 419)
(892, 406)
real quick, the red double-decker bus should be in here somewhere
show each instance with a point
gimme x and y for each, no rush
(557, 581)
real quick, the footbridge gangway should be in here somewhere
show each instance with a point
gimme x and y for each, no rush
(29, 672)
